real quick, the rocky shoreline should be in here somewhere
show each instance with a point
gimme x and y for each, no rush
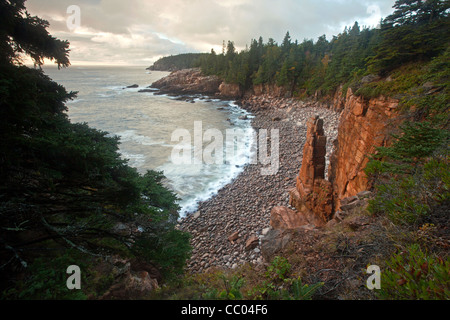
(227, 229)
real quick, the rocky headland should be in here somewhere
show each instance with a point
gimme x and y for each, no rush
(188, 81)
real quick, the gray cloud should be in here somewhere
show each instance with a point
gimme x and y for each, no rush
(140, 31)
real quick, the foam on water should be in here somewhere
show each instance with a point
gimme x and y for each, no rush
(211, 178)
(131, 135)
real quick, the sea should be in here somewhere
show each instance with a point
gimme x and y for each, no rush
(149, 126)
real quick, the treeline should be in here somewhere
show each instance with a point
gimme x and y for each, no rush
(417, 30)
(177, 62)
(66, 196)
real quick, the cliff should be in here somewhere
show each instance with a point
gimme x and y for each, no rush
(364, 125)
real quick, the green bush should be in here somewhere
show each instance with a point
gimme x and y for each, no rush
(279, 269)
(279, 284)
(46, 279)
(412, 175)
(400, 200)
(231, 289)
(414, 275)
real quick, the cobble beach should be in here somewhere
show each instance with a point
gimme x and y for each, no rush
(227, 229)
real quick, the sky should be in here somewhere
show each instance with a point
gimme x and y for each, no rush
(138, 32)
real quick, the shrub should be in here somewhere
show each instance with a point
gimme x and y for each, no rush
(278, 284)
(415, 275)
(412, 175)
(231, 289)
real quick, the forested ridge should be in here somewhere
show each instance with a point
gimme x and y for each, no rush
(416, 31)
(177, 62)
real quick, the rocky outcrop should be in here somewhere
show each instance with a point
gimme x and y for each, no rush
(133, 279)
(230, 91)
(284, 218)
(270, 89)
(188, 81)
(364, 125)
(313, 195)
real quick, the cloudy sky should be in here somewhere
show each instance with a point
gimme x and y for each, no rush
(138, 32)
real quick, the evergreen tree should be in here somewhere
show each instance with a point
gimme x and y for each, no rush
(21, 33)
(64, 187)
(417, 30)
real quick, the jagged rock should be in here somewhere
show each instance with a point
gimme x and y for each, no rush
(364, 125)
(313, 195)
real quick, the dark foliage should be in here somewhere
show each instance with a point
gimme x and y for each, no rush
(64, 190)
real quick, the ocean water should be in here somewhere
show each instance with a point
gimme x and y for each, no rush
(147, 124)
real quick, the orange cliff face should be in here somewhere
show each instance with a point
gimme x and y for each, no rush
(364, 125)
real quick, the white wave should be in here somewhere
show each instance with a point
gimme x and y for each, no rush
(197, 183)
(132, 136)
(134, 160)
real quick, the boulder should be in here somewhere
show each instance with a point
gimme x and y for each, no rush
(284, 218)
(251, 243)
(273, 242)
